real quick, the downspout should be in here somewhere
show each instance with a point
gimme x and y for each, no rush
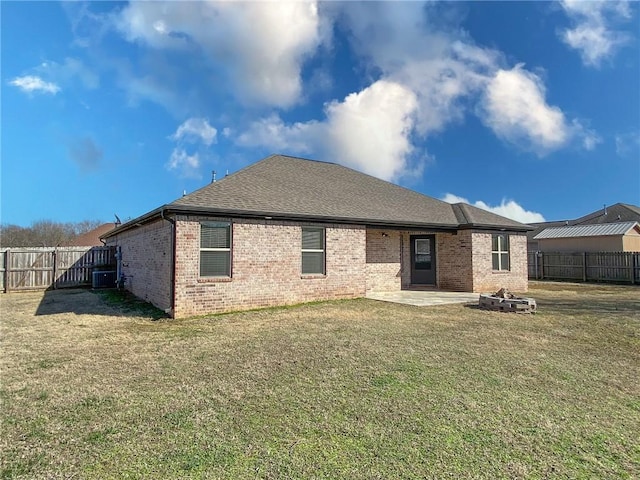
(401, 260)
(172, 221)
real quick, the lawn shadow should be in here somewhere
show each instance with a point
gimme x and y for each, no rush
(86, 301)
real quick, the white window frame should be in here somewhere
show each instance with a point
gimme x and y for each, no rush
(312, 250)
(227, 249)
(502, 249)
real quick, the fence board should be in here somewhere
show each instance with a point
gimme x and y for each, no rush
(3, 269)
(49, 267)
(619, 267)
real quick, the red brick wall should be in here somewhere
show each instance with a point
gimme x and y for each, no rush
(454, 261)
(386, 271)
(266, 267)
(463, 262)
(488, 281)
(383, 261)
(147, 262)
(266, 264)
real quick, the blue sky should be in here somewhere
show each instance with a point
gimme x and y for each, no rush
(530, 109)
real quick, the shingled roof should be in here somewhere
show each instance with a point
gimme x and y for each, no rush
(92, 237)
(284, 187)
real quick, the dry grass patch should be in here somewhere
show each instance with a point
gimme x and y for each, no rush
(351, 389)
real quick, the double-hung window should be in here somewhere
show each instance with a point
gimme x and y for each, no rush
(500, 251)
(215, 249)
(313, 259)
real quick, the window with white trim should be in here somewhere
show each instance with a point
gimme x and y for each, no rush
(500, 251)
(313, 251)
(215, 249)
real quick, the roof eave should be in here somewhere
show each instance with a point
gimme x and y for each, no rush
(499, 228)
(191, 210)
(136, 222)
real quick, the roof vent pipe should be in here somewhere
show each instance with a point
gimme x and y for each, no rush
(605, 208)
(213, 176)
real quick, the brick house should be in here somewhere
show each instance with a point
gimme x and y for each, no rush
(287, 230)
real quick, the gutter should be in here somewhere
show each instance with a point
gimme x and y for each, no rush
(179, 209)
(172, 221)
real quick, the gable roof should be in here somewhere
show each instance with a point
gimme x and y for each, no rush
(596, 230)
(92, 237)
(619, 212)
(284, 187)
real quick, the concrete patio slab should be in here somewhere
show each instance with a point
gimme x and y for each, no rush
(424, 298)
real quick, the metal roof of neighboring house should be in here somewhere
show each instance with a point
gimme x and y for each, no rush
(597, 230)
(284, 187)
(616, 213)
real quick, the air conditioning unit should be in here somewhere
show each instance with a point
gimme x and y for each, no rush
(105, 279)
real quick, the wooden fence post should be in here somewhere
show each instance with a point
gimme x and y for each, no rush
(55, 267)
(584, 266)
(7, 271)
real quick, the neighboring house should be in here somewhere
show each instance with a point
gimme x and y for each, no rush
(620, 212)
(92, 237)
(286, 230)
(602, 237)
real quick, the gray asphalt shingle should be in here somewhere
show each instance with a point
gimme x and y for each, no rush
(281, 185)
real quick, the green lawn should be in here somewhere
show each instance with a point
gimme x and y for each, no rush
(353, 389)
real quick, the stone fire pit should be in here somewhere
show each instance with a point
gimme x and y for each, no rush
(505, 301)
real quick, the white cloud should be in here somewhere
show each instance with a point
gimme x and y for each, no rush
(58, 74)
(193, 134)
(186, 164)
(260, 46)
(425, 74)
(32, 83)
(66, 72)
(369, 131)
(590, 139)
(450, 76)
(195, 129)
(426, 79)
(628, 144)
(273, 133)
(507, 208)
(515, 108)
(594, 34)
(409, 47)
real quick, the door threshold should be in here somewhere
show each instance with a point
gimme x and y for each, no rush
(420, 287)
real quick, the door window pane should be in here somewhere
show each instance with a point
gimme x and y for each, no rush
(422, 254)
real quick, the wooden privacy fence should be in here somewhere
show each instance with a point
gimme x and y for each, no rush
(38, 268)
(619, 267)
